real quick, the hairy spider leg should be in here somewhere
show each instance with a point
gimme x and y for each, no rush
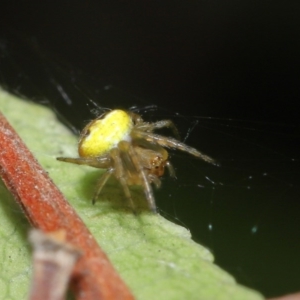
(141, 172)
(149, 127)
(100, 184)
(170, 143)
(133, 157)
(119, 173)
(96, 162)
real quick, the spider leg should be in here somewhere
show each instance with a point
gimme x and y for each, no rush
(120, 173)
(96, 162)
(101, 183)
(145, 182)
(171, 143)
(149, 127)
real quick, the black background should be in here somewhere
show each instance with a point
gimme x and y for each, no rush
(227, 60)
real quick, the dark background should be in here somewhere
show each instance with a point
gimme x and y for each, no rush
(229, 68)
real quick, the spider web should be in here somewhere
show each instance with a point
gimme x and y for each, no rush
(246, 210)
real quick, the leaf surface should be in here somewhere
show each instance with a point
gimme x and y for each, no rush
(156, 258)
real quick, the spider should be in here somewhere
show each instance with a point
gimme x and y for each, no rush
(127, 147)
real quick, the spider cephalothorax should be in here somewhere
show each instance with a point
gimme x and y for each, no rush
(127, 147)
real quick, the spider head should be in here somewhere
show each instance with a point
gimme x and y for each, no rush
(158, 166)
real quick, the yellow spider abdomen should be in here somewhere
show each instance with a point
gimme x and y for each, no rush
(103, 134)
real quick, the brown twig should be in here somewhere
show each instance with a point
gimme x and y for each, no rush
(288, 297)
(53, 262)
(46, 208)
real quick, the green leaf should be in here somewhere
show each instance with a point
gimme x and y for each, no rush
(156, 258)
